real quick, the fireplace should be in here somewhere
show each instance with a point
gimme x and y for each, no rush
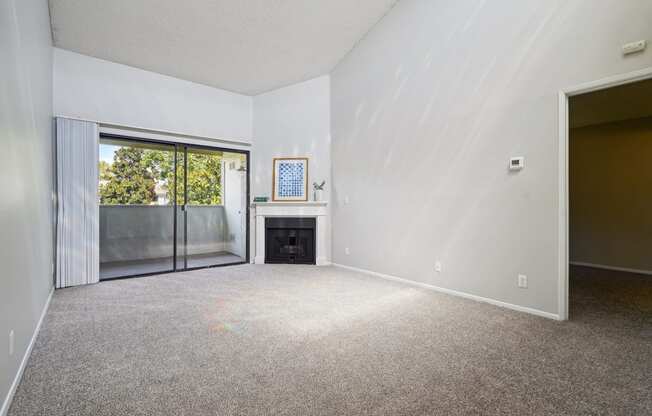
(309, 215)
(290, 240)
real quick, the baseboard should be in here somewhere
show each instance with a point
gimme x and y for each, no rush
(464, 295)
(322, 261)
(615, 268)
(12, 390)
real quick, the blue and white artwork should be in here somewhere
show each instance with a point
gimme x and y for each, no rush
(290, 175)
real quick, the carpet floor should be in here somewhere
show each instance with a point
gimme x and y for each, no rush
(302, 340)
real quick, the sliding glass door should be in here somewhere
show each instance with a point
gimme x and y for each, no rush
(168, 207)
(211, 225)
(136, 209)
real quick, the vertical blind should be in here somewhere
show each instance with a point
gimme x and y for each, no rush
(77, 202)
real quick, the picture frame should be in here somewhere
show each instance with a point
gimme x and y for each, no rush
(290, 179)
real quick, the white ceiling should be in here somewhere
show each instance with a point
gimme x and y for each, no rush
(246, 46)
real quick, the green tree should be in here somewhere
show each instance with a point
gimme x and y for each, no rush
(204, 179)
(204, 175)
(105, 170)
(134, 173)
(160, 163)
(130, 180)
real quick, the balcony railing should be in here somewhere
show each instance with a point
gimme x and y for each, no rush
(140, 232)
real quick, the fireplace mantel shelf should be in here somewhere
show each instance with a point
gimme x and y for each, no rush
(309, 209)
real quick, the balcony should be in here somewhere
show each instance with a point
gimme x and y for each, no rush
(139, 239)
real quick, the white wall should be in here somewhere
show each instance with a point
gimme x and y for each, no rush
(427, 110)
(292, 121)
(26, 209)
(235, 204)
(94, 89)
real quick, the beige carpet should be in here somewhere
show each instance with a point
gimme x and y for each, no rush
(302, 340)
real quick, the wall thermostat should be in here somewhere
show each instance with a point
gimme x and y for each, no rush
(516, 163)
(634, 47)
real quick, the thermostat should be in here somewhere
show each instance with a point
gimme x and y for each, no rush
(634, 47)
(516, 163)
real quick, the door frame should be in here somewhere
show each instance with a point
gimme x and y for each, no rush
(564, 95)
(185, 146)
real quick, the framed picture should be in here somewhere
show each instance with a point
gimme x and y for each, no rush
(290, 179)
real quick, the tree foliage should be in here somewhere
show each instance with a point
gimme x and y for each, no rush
(128, 179)
(204, 179)
(135, 172)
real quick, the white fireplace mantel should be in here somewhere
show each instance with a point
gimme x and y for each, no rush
(309, 209)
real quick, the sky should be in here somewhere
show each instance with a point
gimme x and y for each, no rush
(106, 152)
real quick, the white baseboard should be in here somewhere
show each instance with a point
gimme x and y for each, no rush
(322, 261)
(615, 268)
(12, 390)
(518, 308)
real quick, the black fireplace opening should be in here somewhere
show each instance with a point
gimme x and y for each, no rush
(290, 240)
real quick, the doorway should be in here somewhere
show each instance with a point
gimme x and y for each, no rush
(167, 207)
(605, 199)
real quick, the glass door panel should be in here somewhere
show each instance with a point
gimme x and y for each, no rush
(136, 180)
(213, 212)
(180, 212)
(235, 197)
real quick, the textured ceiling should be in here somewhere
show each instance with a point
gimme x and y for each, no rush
(246, 46)
(624, 102)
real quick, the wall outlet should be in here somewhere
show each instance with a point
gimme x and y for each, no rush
(11, 342)
(346, 200)
(522, 281)
(438, 267)
(347, 251)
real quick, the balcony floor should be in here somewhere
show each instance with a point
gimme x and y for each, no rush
(111, 270)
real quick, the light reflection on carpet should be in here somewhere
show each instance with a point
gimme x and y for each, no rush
(233, 327)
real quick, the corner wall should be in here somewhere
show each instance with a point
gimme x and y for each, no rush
(26, 177)
(293, 121)
(427, 110)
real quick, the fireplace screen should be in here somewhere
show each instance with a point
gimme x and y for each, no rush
(290, 240)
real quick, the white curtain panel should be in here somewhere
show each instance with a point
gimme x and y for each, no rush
(78, 242)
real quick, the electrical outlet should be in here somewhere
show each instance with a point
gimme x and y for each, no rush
(346, 200)
(11, 342)
(347, 251)
(522, 281)
(438, 267)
